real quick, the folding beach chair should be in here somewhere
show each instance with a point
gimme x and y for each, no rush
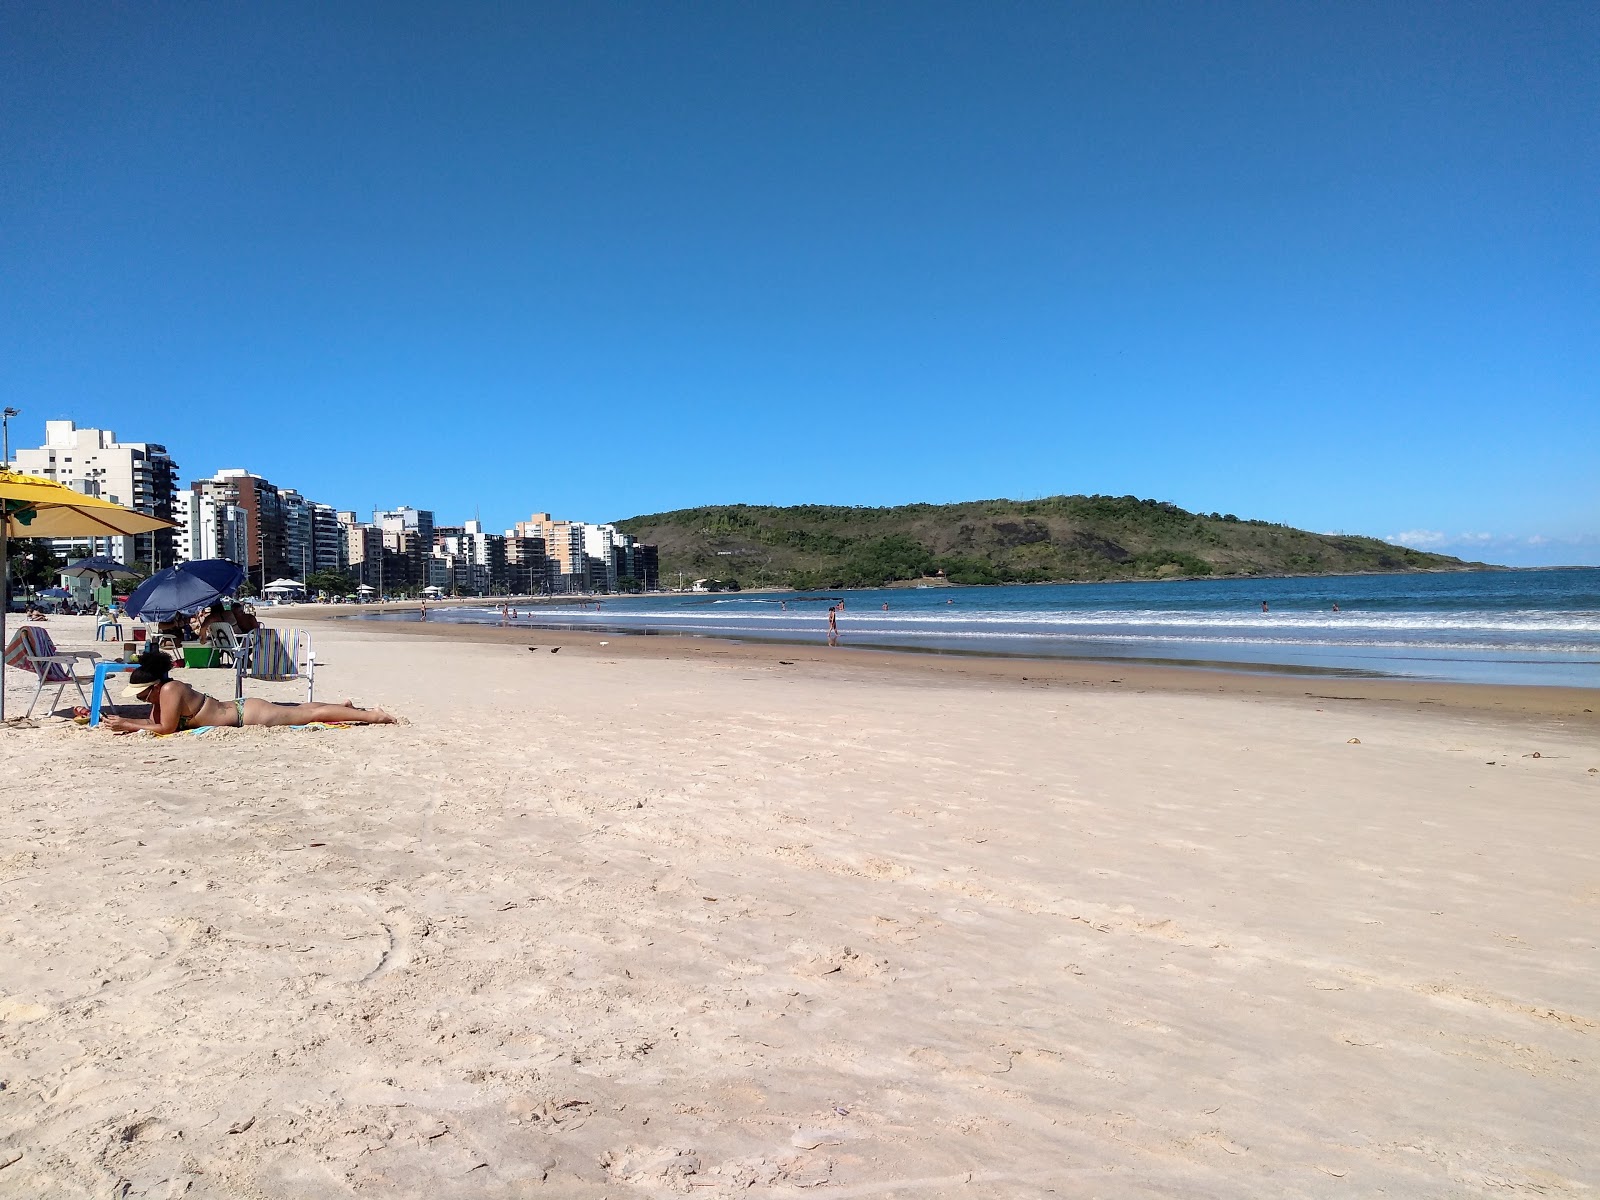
(225, 640)
(278, 655)
(32, 650)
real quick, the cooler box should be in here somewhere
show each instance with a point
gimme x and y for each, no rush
(199, 656)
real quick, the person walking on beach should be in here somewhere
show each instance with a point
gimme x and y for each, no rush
(833, 624)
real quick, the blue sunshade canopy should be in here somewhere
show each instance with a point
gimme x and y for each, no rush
(185, 588)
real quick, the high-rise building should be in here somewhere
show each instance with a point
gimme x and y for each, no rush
(265, 552)
(647, 565)
(213, 527)
(137, 475)
(527, 567)
(564, 549)
(468, 560)
(600, 566)
(330, 549)
(411, 553)
(299, 523)
(363, 550)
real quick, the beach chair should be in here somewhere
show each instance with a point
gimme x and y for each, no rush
(225, 640)
(277, 655)
(32, 650)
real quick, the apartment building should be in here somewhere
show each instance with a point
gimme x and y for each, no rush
(564, 551)
(408, 534)
(330, 550)
(600, 567)
(647, 565)
(260, 504)
(138, 475)
(299, 523)
(469, 560)
(363, 550)
(527, 568)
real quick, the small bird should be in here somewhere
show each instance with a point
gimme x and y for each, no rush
(555, 649)
(532, 648)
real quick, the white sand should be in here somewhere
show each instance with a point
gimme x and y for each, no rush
(623, 927)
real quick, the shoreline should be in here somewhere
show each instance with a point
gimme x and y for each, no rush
(1578, 706)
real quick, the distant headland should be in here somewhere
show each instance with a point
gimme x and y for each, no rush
(1055, 539)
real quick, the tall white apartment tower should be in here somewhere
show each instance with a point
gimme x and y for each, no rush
(137, 475)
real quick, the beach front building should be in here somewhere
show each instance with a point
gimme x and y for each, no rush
(647, 566)
(599, 566)
(299, 533)
(581, 557)
(212, 528)
(329, 544)
(527, 567)
(138, 475)
(635, 565)
(260, 505)
(408, 536)
(568, 569)
(363, 550)
(468, 561)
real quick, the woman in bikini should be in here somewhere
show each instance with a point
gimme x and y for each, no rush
(175, 705)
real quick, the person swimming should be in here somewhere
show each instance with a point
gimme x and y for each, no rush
(174, 705)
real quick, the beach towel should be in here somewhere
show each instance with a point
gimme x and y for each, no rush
(314, 727)
(32, 640)
(273, 658)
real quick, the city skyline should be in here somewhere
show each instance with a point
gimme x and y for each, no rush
(277, 532)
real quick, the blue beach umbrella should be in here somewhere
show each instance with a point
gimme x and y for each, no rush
(184, 588)
(56, 593)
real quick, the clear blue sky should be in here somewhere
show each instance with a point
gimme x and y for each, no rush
(1329, 264)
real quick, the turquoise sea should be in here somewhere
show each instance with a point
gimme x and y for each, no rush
(1532, 627)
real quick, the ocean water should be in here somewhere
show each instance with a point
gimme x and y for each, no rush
(1528, 627)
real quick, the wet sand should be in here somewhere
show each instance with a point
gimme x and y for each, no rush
(1577, 708)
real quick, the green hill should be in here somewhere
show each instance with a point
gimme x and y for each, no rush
(999, 541)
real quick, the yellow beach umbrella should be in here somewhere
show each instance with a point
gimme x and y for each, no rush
(34, 507)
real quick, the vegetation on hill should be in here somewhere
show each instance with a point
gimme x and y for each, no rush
(998, 541)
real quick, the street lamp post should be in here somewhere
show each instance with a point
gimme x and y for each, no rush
(5, 434)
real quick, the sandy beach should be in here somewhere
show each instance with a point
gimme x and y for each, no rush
(653, 918)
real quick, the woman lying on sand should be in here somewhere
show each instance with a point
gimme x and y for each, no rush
(175, 705)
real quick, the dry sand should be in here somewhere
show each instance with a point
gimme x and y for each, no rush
(603, 923)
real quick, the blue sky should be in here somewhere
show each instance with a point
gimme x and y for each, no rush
(1333, 265)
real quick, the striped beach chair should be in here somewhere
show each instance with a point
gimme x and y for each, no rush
(277, 655)
(32, 650)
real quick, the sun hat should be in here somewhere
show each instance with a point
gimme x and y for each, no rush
(130, 690)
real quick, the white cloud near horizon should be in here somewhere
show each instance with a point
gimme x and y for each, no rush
(1516, 549)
